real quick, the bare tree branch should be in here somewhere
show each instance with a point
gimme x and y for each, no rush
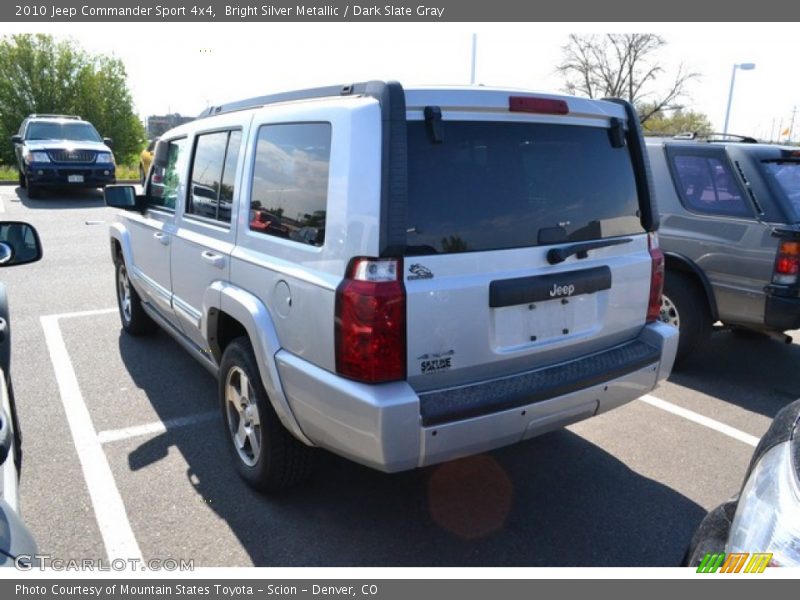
(624, 66)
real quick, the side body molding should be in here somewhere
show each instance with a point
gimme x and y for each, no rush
(248, 310)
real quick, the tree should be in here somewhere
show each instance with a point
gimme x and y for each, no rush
(623, 66)
(680, 121)
(41, 75)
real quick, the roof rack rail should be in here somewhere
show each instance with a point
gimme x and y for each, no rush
(49, 116)
(376, 89)
(715, 137)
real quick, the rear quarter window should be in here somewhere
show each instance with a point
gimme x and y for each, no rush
(289, 197)
(706, 184)
(784, 176)
(499, 185)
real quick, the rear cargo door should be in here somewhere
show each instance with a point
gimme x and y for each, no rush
(525, 246)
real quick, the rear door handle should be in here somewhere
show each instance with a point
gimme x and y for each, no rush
(162, 237)
(214, 259)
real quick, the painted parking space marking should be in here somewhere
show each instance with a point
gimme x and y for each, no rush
(690, 415)
(82, 313)
(109, 509)
(157, 427)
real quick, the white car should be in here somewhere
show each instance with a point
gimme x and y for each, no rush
(19, 245)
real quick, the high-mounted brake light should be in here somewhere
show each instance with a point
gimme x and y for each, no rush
(547, 106)
(787, 263)
(370, 324)
(656, 278)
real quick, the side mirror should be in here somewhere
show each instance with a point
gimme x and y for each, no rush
(108, 142)
(19, 244)
(121, 196)
(16, 139)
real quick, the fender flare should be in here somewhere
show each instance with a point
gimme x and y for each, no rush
(688, 265)
(253, 315)
(120, 235)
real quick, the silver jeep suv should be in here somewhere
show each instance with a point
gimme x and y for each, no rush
(400, 276)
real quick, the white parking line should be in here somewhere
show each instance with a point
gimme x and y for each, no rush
(690, 415)
(109, 509)
(116, 435)
(83, 313)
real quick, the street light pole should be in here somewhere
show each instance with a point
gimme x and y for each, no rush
(743, 67)
(474, 57)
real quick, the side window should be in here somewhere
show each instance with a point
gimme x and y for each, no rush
(166, 181)
(228, 173)
(707, 185)
(213, 169)
(290, 182)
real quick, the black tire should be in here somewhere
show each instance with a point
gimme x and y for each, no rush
(135, 320)
(280, 461)
(33, 190)
(23, 183)
(690, 310)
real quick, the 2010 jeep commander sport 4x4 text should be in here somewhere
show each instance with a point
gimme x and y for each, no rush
(400, 276)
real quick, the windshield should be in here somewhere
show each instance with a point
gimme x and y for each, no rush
(497, 185)
(77, 132)
(785, 175)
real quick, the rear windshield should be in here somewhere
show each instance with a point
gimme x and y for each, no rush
(497, 185)
(785, 177)
(76, 132)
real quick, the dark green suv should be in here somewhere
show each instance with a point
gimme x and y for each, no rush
(730, 231)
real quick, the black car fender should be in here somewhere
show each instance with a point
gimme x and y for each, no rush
(5, 365)
(5, 332)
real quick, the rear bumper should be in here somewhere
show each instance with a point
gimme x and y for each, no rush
(782, 313)
(50, 175)
(391, 428)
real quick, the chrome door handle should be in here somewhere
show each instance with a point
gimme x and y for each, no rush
(212, 258)
(161, 237)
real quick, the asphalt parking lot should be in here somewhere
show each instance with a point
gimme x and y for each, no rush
(124, 454)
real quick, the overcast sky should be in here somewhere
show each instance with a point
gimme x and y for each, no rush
(177, 67)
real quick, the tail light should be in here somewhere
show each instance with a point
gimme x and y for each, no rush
(656, 278)
(370, 325)
(787, 263)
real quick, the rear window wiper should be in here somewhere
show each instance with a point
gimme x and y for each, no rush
(581, 249)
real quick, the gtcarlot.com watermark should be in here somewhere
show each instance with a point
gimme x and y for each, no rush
(29, 562)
